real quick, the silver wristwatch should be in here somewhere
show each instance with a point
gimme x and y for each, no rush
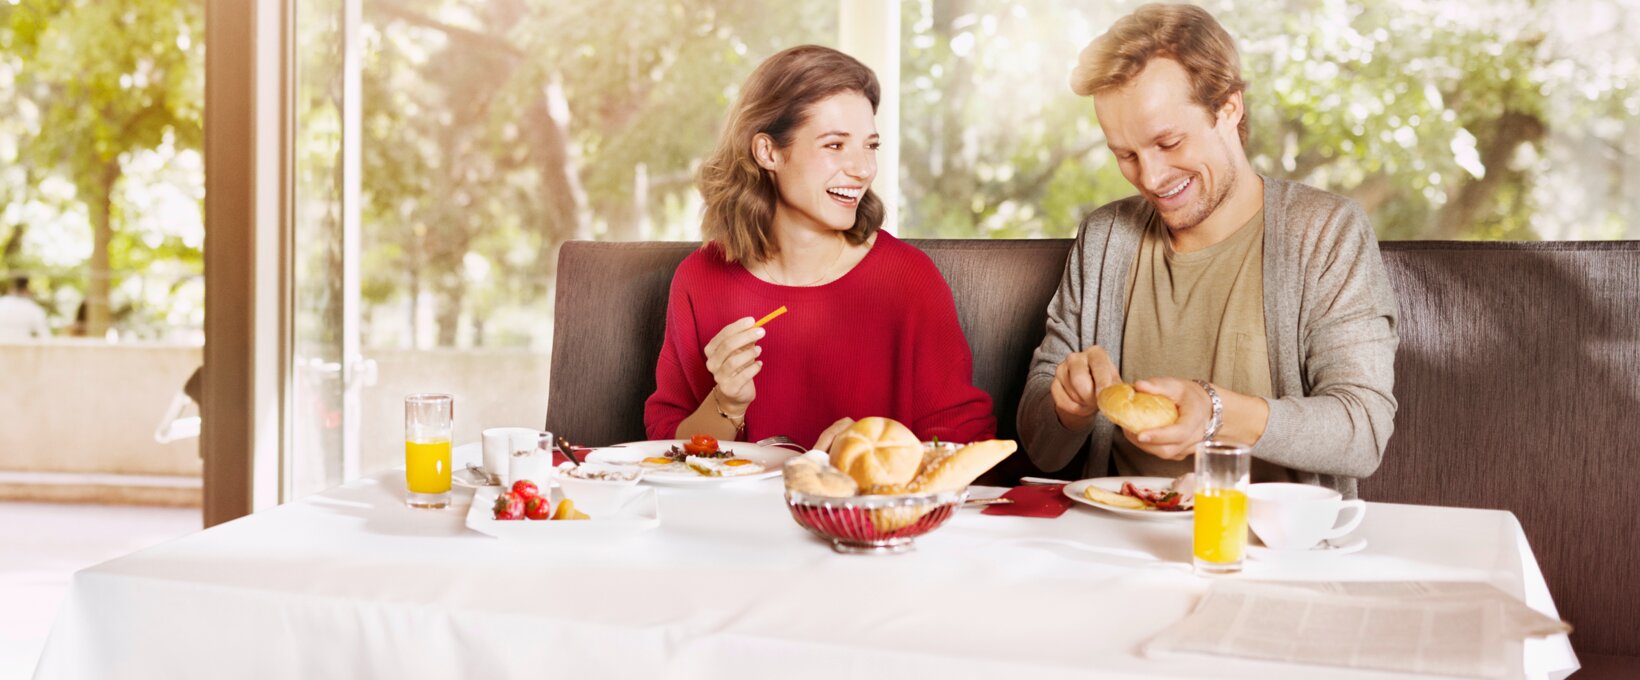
(1217, 419)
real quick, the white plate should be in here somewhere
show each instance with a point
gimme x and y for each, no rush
(1114, 485)
(771, 458)
(1337, 546)
(641, 512)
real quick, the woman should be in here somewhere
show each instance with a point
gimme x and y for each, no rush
(791, 222)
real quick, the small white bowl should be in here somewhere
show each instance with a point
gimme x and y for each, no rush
(596, 495)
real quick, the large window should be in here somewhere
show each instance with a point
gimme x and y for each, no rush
(1494, 119)
(491, 133)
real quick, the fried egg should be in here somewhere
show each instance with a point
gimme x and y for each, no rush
(660, 464)
(722, 467)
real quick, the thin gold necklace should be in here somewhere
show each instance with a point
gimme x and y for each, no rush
(823, 273)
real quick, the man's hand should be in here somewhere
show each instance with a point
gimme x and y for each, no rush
(1179, 440)
(1076, 385)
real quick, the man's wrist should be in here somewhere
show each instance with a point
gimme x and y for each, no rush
(1072, 422)
(1215, 418)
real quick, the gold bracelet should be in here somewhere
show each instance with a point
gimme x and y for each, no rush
(738, 422)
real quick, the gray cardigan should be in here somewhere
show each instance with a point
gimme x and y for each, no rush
(1329, 314)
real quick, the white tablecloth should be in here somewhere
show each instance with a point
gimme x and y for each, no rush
(350, 583)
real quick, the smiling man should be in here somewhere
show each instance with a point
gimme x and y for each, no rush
(1259, 306)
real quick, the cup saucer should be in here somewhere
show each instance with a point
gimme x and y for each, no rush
(1336, 546)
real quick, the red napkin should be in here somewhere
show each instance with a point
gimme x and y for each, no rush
(1033, 501)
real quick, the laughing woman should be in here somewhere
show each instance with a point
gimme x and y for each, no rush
(791, 222)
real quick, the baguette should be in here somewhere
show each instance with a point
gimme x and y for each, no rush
(948, 470)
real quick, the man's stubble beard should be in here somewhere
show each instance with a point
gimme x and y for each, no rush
(1209, 204)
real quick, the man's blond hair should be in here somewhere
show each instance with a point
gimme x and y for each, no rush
(1186, 34)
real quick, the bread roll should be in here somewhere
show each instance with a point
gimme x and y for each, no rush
(948, 470)
(813, 478)
(1137, 411)
(877, 452)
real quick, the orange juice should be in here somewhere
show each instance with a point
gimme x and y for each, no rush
(1221, 525)
(427, 466)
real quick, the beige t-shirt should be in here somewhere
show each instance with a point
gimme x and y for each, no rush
(1197, 315)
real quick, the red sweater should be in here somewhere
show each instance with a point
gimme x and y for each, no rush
(883, 340)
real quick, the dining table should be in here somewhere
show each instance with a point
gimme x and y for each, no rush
(352, 583)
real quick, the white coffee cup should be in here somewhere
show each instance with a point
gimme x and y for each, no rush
(1298, 516)
(499, 445)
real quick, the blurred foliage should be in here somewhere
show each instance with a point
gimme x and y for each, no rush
(1506, 119)
(97, 86)
(497, 129)
(494, 130)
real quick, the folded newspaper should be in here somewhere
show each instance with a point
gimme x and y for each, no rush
(1446, 628)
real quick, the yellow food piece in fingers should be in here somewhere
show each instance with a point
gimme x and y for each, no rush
(769, 317)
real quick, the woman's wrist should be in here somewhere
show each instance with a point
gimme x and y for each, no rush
(735, 416)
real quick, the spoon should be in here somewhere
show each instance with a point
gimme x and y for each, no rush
(569, 451)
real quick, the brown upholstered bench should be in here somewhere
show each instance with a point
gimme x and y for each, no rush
(1518, 378)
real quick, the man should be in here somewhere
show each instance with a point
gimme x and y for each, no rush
(21, 318)
(1213, 285)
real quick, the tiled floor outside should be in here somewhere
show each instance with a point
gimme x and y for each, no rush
(43, 544)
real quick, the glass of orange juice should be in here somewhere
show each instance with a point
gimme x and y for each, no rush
(1221, 507)
(427, 423)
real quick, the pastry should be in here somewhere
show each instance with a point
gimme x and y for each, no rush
(812, 478)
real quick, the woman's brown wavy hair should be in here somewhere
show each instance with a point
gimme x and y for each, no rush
(1184, 33)
(740, 195)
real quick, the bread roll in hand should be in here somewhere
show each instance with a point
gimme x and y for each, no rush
(1137, 411)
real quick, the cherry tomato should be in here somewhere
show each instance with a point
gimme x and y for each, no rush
(701, 444)
(526, 488)
(536, 507)
(509, 506)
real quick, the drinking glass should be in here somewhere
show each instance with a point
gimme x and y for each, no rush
(1221, 507)
(427, 422)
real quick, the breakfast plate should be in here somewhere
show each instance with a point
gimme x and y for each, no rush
(642, 511)
(633, 453)
(1074, 490)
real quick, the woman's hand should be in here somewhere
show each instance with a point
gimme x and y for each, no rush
(829, 437)
(731, 356)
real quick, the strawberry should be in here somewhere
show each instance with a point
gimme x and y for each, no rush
(526, 488)
(537, 507)
(509, 505)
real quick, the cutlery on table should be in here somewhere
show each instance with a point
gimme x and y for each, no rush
(1040, 481)
(781, 440)
(481, 473)
(569, 451)
(978, 502)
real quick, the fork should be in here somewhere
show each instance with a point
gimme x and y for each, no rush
(782, 440)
